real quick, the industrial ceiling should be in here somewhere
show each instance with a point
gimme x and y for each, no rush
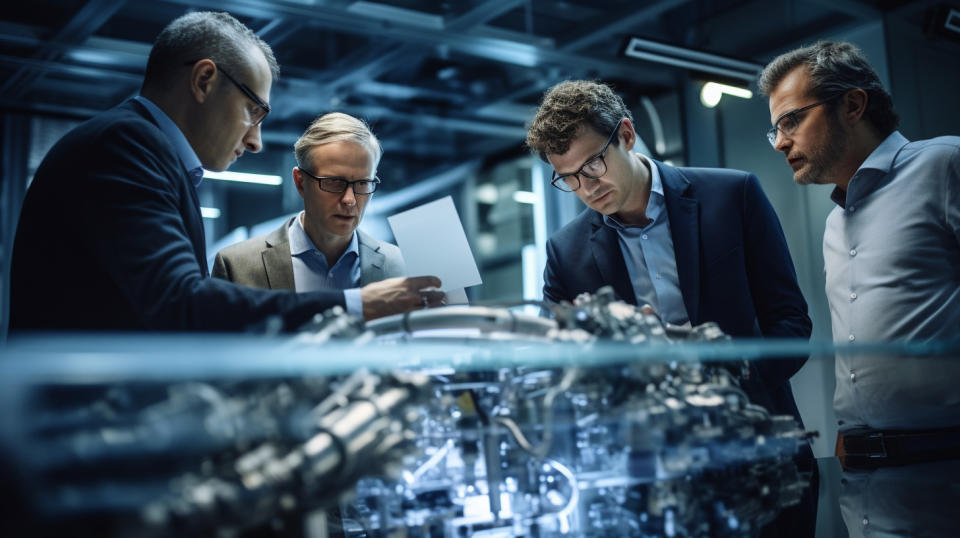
(441, 82)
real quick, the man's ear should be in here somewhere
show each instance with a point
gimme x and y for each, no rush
(628, 136)
(298, 180)
(854, 105)
(202, 77)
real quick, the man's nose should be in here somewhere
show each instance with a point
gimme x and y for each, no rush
(252, 140)
(588, 184)
(348, 197)
(782, 142)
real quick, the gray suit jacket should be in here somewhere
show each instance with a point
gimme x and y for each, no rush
(264, 262)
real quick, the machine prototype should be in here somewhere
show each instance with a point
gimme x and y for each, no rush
(461, 421)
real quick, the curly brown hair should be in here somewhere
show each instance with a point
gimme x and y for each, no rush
(568, 107)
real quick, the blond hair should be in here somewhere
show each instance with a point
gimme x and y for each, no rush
(336, 127)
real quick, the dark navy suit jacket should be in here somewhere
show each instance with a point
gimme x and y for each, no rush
(732, 262)
(110, 237)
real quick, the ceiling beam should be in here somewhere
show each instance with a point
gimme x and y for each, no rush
(485, 12)
(854, 8)
(623, 22)
(502, 46)
(83, 24)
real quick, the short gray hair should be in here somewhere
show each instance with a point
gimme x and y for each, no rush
(199, 35)
(336, 127)
(836, 68)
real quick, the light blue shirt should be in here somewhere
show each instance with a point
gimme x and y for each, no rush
(891, 250)
(649, 256)
(312, 273)
(191, 163)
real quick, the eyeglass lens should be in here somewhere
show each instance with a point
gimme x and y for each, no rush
(593, 169)
(338, 185)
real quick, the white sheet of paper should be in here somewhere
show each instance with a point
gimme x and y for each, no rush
(432, 241)
(457, 296)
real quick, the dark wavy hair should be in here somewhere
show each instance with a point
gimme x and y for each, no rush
(836, 68)
(569, 106)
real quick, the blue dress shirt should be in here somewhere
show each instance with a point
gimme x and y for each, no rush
(649, 256)
(311, 272)
(180, 144)
(891, 249)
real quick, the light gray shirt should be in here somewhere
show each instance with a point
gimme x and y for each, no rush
(892, 259)
(649, 255)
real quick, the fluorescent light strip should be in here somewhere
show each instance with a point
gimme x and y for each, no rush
(262, 179)
(711, 93)
(210, 212)
(524, 197)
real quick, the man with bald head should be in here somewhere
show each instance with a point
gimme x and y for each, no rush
(110, 234)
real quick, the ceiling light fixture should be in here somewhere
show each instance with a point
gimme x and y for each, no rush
(524, 197)
(209, 212)
(262, 179)
(692, 60)
(711, 93)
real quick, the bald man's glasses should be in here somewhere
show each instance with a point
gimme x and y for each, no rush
(257, 114)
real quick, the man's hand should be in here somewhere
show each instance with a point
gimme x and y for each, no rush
(401, 294)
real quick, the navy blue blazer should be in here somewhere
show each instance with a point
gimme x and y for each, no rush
(110, 237)
(732, 262)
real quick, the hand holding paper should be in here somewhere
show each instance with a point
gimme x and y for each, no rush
(432, 241)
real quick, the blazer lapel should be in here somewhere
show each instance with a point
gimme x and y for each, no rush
(277, 264)
(195, 226)
(684, 213)
(371, 259)
(609, 259)
(193, 219)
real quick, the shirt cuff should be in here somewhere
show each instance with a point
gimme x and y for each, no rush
(354, 301)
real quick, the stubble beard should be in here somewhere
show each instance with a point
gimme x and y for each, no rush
(822, 158)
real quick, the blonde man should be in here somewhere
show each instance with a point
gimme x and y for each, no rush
(321, 248)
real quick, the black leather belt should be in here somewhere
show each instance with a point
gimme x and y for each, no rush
(871, 449)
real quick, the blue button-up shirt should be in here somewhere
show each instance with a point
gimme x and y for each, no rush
(649, 256)
(892, 253)
(311, 271)
(188, 157)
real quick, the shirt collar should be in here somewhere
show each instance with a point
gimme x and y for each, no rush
(300, 242)
(184, 150)
(877, 164)
(882, 157)
(656, 187)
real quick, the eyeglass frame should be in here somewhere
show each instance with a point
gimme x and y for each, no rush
(246, 91)
(599, 155)
(772, 133)
(346, 183)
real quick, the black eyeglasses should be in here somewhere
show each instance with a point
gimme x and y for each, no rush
(593, 168)
(787, 123)
(257, 115)
(337, 185)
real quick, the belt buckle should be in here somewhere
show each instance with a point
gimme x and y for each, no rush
(876, 447)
